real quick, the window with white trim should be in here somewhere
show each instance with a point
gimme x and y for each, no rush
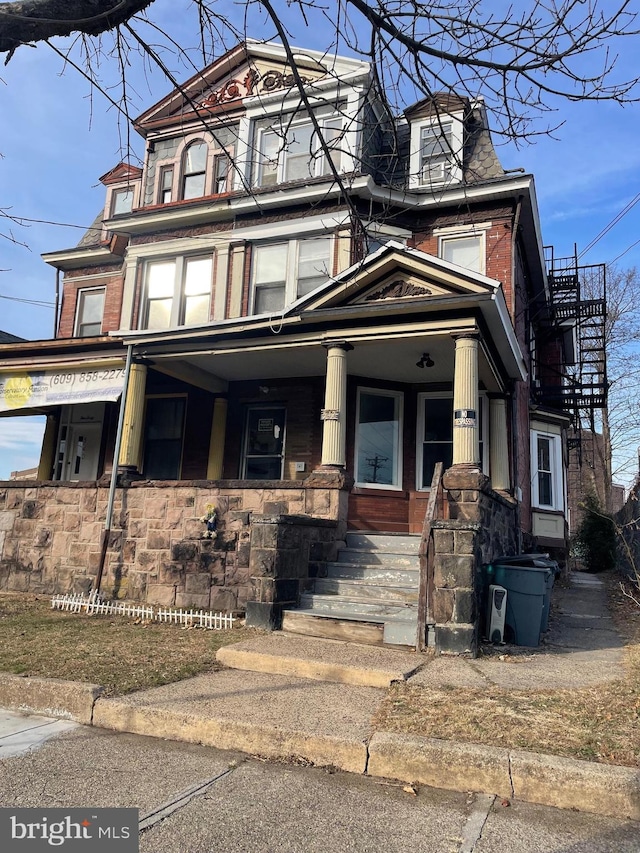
(465, 250)
(122, 201)
(283, 272)
(436, 151)
(294, 153)
(546, 469)
(89, 312)
(378, 448)
(435, 434)
(177, 292)
(194, 170)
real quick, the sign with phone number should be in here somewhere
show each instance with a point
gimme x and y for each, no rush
(59, 387)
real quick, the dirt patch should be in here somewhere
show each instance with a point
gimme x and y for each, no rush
(121, 654)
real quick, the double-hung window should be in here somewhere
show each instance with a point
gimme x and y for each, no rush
(283, 272)
(546, 462)
(194, 170)
(436, 151)
(294, 152)
(178, 292)
(89, 312)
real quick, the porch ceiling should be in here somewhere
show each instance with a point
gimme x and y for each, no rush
(387, 360)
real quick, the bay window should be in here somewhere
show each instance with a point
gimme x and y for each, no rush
(283, 272)
(178, 292)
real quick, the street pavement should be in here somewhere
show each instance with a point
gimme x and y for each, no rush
(195, 799)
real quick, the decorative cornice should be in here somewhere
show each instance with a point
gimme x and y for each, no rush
(398, 289)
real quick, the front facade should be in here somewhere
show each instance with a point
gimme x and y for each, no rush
(293, 311)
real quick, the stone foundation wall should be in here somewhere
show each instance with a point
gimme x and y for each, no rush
(50, 538)
(482, 525)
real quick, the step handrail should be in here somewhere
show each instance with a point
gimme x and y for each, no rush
(436, 496)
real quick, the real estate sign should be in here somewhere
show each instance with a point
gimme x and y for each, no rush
(59, 387)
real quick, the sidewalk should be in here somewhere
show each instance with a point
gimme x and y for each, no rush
(311, 701)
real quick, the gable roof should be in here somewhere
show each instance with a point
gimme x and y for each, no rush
(251, 70)
(392, 274)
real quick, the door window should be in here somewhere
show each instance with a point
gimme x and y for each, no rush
(264, 444)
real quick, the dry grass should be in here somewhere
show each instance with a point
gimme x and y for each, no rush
(599, 724)
(110, 650)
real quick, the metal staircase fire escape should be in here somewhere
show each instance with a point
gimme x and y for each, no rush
(576, 383)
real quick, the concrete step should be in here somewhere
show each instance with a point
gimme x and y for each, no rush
(365, 589)
(290, 654)
(378, 558)
(350, 627)
(397, 543)
(346, 606)
(374, 574)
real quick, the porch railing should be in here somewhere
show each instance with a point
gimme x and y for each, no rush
(435, 509)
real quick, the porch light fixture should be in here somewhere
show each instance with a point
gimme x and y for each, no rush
(425, 360)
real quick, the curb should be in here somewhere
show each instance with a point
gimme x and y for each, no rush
(566, 783)
(50, 697)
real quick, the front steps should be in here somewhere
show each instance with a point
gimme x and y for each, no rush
(370, 594)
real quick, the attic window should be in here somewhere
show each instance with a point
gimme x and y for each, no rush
(436, 151)
(194, 170)
(296, 154)
(122, 201)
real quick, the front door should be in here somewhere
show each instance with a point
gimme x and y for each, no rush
(83, 451)
(263, 455)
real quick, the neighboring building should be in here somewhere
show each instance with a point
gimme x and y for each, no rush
(309, 329)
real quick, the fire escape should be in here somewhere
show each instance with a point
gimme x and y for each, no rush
(574, 379)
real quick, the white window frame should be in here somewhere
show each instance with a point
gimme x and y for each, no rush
(178, 300)
(398, 396)
(79, 304)
(557, 478)
(445, 240)
(318, 157)
(291, 266)
(452, 170)
(444, 395)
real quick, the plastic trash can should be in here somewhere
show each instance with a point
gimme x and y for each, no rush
(537, 561)
(527, 588)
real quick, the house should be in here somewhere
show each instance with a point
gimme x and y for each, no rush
(295, 309)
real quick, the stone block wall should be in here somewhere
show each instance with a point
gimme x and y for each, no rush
(482, 525)
(51, 534)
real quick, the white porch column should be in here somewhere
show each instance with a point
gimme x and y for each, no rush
(466, 444)
(334, 414)
(498, 443)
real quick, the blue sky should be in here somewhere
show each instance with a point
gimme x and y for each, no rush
(57, 138)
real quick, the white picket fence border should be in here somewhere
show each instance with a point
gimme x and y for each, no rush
(78, 602)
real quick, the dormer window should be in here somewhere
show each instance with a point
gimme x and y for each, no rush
(194, 170)
(436, 149)
(122, 201)
(436, 152)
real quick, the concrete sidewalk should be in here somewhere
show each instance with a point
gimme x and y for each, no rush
(311, 701)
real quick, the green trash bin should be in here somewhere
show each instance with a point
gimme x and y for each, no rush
(527, 588)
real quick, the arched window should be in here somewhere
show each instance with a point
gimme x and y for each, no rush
(194, 170)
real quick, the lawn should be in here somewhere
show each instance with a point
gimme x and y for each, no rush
(598, 724)
(119, 653)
